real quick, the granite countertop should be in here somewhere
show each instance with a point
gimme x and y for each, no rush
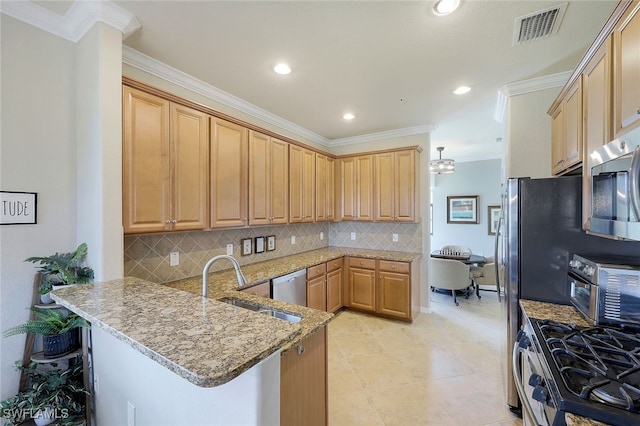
(202, 340)
(565, 314)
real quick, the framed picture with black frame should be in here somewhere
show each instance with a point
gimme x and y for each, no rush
(462, 209)
(259, 245)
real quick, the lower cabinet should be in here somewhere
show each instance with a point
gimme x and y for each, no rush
(262, 289)
(382, 287)
(334, 285)
(316, 288)
(303, 382)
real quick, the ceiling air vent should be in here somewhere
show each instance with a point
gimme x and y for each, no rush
(540, 24)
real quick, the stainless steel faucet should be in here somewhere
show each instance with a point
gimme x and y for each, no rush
(242, 281)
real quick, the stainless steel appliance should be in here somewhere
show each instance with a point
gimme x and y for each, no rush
(592, 372)
(606, 291)
(615, 188)
(542, 232)
(291, 288)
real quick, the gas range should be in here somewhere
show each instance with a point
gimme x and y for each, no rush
(592, 372)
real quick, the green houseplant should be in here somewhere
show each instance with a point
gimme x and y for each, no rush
(51, 394)
(62, 269)
(59, 330)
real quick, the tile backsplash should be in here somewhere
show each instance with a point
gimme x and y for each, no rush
(147, 256)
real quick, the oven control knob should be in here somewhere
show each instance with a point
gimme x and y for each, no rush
(535, 380)
(540, 394)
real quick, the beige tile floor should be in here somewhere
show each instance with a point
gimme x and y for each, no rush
(444, 369)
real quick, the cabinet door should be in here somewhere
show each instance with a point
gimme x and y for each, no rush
(321, 187)
(557, 140)
(259, 179)
(364, 187)
(263, 290)
(348, 189)
(330, 197)
(362, 285)
(279, 181)
(394, 295)
(190, 167)
(303, 383)
(334, 290)
(573, 125)
(316, 293)
(626, 64)
(301, 183)
(229, 164)
(384, 187)
(596, 111)
(146, 191)
(405, 186)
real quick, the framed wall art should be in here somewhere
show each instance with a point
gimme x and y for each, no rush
(18, 208)
(493, 217)
(462, 209)
(271, 243)
(245, 246)
(259, 245)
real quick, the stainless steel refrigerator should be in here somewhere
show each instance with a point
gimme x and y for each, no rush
(542, 229)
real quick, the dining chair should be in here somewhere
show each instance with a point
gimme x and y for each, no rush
(451, 275)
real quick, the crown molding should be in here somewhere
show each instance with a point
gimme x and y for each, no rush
(527, 86)
(370, 137)
(78, 20)
(161, 70)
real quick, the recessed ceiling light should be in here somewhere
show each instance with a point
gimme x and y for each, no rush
(282, 68)
(462, 90)
(445, 7)
(348, 116)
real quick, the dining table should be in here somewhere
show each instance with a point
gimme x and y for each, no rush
(464, 257)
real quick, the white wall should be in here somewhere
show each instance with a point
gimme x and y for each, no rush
(529, 134)
(480, 178)
(37, 154)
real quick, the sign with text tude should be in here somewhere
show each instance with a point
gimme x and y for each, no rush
(18, 208)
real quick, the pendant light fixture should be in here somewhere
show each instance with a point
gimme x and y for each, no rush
(441, 166)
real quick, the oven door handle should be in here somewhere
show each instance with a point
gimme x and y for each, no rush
(517, 377)
(634, 182)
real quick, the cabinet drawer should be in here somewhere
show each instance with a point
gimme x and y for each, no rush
(262, 289)
(358, 262)
(316, 271)
(334, 264)
(389, 266)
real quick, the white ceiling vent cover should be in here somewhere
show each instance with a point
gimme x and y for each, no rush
(538, 25)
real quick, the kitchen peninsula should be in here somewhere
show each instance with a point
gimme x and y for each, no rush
(203, 352)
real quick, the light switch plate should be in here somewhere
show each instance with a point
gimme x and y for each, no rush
(353, 236)
(230, 249)
(394, 237)
(293, 239)
(322, 235)
(174, 258)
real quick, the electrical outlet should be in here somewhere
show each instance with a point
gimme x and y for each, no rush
(230, 249)
(322, 235)
(353, 236)
(293, 239)
(131, 414)
(394, 237)
(174, 258)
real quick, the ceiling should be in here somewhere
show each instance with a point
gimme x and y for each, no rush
(394, 64)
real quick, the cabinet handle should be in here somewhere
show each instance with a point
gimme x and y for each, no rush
(174, 221)
(300, 349)
(167, 222)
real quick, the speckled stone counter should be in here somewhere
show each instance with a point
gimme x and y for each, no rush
(224, 283)
(202, 340)
(565, 314)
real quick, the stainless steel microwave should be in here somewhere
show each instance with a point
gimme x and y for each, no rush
(615, 188)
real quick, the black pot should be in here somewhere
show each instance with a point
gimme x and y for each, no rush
(60, 344)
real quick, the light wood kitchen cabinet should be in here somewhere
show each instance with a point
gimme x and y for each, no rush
(597, 87)
(316, 287)
(165, 164)
(303, 383)
(394, 289)
(325, 188)
(262, 290)
(268, 180)
(302, 178)
(362, 284)
(566, 132)
(229, 174)
(334, 285)
(395, 189)
(626, 69)
(356, 182)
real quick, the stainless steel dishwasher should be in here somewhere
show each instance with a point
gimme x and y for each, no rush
(291, 288)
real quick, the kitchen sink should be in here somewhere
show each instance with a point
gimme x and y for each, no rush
(272, 312)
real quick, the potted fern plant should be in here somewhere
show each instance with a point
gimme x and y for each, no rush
(59, 330)
(62, 269)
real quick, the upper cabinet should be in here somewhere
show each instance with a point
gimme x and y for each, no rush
(268, 179)
(356, 188)
(395, 190)
(325, 188)
(566, 132)
(165, 164)
(229, 174)
(626, 67)
(302, 178)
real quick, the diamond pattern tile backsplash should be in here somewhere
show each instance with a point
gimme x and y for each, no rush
(147, 256)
